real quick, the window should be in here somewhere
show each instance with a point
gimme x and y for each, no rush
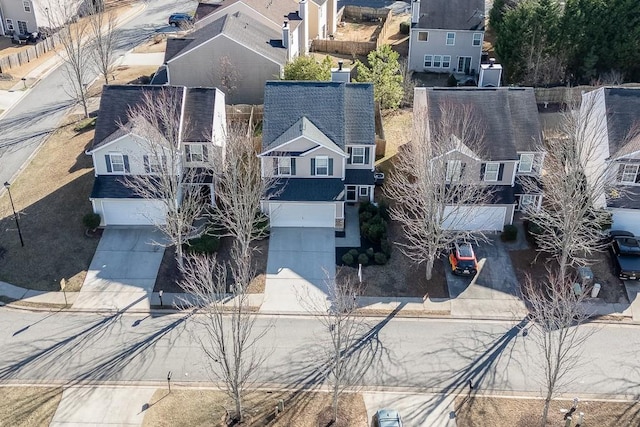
(364, 191)
(322, 166)
(283, 166)
(528, 201)
(423, 36)
(117, 163)
(22, 27)
(491, 171)
(9, 25)
(357, 155)
(437, 61)
(526, 163)
(446, 61)
(153, 163)
(629, 174)
(451, 39)
(454, 170)
(195, 153)
(428, 61)
(27, 6)
(477, 39)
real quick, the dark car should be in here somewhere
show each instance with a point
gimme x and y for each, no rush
(463, 259)
(625, 253)
(180, 19)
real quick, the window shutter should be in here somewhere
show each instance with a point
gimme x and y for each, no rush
(349, 150)
(638, 177)
(462, 166)
(145, 160)
(620, 172)
(187, 152)
(483, 167)
(293, 166)
(313, 166)
(366, 156)
(108, 160)
(500, 171)
(205, 153)
(126, 164)
(330, 166)
(275, 166)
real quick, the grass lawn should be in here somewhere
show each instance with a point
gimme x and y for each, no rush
(207, 408)
(52, 196)
(509, 412)
(28, 406)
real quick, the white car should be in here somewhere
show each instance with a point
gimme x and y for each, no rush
(387, 418)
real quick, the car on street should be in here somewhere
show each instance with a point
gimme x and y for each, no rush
(462, 259)
(625, 254)
(387, 418)
(180, 19)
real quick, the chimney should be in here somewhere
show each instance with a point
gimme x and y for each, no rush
(490, 74)
(415, 11)
(285, 34)
(303, 29)
(492, 62)
(341, 74)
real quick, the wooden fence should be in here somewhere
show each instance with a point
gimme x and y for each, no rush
(17, 59)
(566, 95)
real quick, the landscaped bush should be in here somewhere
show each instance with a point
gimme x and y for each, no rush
(363, 259)
(91, 221)
(405, 27)
(365, 216)
(375, 232)
(452, 81)
(205, 244)
(347, 258)
(370, 252)
(509, 233)
(533, 232)
(380, 258)
(353, 252)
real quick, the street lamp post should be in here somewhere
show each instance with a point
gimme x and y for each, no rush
(15, 216)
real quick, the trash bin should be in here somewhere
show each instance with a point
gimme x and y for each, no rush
(595, 290)
(586, 275)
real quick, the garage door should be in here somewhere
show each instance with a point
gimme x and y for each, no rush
(484, 218)
(302, 215)
(135, 212)
(628, 220)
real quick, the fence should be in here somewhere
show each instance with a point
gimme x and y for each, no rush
(566, 95)
(28, 54)
(381, 142)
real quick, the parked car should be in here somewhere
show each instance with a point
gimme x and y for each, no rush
(625, 253)
(180, 19)
(387, 418)
(463, 259)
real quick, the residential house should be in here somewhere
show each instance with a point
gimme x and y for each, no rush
(446, 35)
(613, 120)
(318, 140)
(238, 45)
(117, 151)
(30, 16)
(509, 149)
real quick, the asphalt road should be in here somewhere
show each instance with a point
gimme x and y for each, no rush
(40, 111)
(423, 355)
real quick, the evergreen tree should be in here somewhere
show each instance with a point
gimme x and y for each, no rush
(308, 68)
(384, 72)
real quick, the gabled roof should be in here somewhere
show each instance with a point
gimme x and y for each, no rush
(198, 114)
(509, 117)
(623, 118)
(343, 112)
(304, 128)
(452, 15)
(276, 11)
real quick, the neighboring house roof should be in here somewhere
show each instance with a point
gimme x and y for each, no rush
(623, 120)
(160, 77)
(205, 9)
(112, 187)
(629, 198)
(359, 177)
(198, 114)
(343, 112)
(452, 14)
(509, 117)
(276, 11)
(307, 189)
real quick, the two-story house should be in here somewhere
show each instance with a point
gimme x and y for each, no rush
(118, 152)
(509, 149)
(29, 16)
(612, 117)
(318, 142)
(241, 44)
(446, 36)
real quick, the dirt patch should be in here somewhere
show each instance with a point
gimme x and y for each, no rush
(397, 127)
(357, 31)
(29, 406)
(508, 412)
(208, 408)
(156, 44)
(51, 196)
(124, 75)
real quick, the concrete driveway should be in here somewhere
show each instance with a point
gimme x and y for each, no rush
(494, 290)
(123, 270)
(300, 263)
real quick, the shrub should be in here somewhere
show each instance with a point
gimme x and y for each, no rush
(371, 208)
(375, 232)
(509, 233)
(348, 258)
(261, 225)
(380, 258)
(364, 228)
(353, 252)
(383, 210)
(370, 252)
(91, 221)
(385, 246)
(205, 244)
(405, 27)
(85, 124)
(363, 259)
(365, 216)
(376, 219)
(364, 207)
(452, 81)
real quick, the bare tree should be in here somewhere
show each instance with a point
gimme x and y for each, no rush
(158, 125)
(229, 76)
(104, 38)
(230, 340)
(408, 83)
(557, 312)
(431, 185)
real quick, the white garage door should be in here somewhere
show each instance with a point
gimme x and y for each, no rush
(485, 218)
(626, 219)
(134, 212)
(302, 215)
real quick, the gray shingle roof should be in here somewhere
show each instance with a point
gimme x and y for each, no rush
(195, 39)
(206, 8)
(276, 11)
(344, 112)
(160, 77)
(629, 199)
(198, 114)
(308, 189)
(303, 127)
(623, 117)
(359, 177)
(452, 14)
(111, 187)
(509, 116)
(175, 46)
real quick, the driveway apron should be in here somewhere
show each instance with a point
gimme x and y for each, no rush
(301, 262)
(123, 271)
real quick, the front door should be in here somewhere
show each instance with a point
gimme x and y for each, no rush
(464, 64)
(22, 27)
(351, 193)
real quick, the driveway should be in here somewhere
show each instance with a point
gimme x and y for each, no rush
(494, 290)
(300, 263)
(123, 270)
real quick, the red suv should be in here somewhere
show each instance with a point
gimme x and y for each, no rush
(463, 259)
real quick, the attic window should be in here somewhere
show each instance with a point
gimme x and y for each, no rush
(629, 174)
(526, 163)
(423, 36)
